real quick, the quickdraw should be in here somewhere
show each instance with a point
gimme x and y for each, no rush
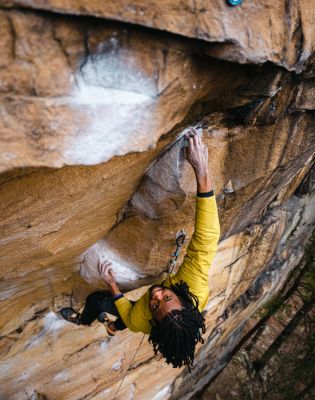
(180, 239)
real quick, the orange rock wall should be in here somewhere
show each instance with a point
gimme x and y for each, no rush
(93, 114)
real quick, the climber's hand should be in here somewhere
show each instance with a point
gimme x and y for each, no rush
(197, 153)
(106, 272)
(197, 156)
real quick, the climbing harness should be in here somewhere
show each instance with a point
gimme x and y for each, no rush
(180, 239)
(234, 2)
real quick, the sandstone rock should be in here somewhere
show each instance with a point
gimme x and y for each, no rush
(305, 96)
(68, 351)
(94, 91)
(118, 99)
(164, 201)
(281, 32)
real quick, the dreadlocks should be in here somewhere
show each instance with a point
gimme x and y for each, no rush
(179, 332)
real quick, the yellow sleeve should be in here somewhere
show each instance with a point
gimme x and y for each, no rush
(201, 249)
(135, 316)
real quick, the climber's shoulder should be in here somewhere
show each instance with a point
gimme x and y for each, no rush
(141, 314)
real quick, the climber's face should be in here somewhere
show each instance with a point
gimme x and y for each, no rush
(163, 301)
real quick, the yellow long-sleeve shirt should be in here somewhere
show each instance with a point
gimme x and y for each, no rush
(194, 269)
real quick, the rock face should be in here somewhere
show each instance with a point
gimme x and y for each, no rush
(270, 357)
(93, 114)
(281, 32)
(99, 72)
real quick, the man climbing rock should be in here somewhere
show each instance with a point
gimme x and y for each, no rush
(170, 311)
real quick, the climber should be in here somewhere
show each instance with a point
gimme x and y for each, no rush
(170, 311)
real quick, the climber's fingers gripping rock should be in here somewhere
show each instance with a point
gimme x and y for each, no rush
(197, 153)
(106, 272)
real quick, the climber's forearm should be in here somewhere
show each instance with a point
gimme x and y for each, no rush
(197, 156)
(114, 289)
(203, 182)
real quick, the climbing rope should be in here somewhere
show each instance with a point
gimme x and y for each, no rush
(123, 378)
(180, 239)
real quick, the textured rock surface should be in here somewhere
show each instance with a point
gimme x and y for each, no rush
(87, 73)
(282, 32)
(118, 99)
(268, 360)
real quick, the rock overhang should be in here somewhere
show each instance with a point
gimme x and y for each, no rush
(257, 124)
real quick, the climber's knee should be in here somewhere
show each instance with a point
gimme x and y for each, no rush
(97, 298)
(93, 297)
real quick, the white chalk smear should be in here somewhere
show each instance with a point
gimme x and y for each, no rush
(91, 95)
(61, 376)
(124, 271)
(117, 365)
(113, 65)
(106, 391)
(114, 101)
(132, 390)
(53, 323)
(162, 393)
(30, 371)
(104, 345)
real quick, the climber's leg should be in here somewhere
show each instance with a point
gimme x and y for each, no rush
(119, 324)
(96, 304)
(111, 326)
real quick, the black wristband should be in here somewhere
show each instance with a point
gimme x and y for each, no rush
(118, 296)
(206, 194)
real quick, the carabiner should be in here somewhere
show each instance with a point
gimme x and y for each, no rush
(180, 238)
(234, 2)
